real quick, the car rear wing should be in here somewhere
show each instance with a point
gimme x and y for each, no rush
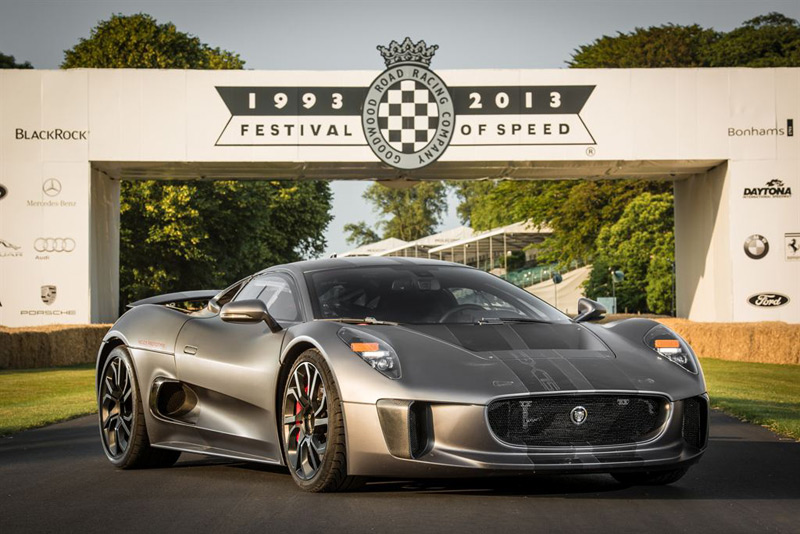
(183, 297)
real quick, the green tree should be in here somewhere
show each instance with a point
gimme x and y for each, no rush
(640, 244)
(771, 40)
(360, 233)
(576, 210)
(658, 46)
(206, 234)
(181, 235)
(582, 213)
(140, 42)
(413, 212)
(8, 62)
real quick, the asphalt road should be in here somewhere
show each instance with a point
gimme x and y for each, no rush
(57, 479)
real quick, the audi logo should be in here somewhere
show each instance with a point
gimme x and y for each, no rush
(54, 244)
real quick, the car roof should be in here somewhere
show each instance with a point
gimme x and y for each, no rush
(301, 267)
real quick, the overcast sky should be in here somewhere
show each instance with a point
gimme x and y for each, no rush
(343, 35)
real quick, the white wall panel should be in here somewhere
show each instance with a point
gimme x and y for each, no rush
(674, 116)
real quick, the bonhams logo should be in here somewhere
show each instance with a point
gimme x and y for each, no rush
(768, 300)
(772, 189)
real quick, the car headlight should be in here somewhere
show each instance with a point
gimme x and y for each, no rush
(376, 352)
(671, 346)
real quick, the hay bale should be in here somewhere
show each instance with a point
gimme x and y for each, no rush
(49, 346)
(764, 342)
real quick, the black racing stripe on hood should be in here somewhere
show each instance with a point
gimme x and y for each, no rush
(490, 337)
(477, 338)
(538, 375)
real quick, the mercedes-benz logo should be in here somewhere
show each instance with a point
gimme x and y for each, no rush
(578, 415)
(51, 187)
(3, 191)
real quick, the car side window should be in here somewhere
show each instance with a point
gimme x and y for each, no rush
(278, 292)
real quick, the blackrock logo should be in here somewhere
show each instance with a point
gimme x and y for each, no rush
(768, 300)
(408, 116)
(772, 189)
(56, 134)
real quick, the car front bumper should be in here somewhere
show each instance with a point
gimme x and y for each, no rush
(459, 443)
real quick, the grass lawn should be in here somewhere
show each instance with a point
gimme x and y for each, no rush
(761, 393)
(36, 397)
(766, 394)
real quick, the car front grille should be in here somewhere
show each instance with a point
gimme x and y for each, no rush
(554, 420)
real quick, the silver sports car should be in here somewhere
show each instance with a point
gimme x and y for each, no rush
(349, 368)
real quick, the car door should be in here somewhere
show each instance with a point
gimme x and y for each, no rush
(233, 368)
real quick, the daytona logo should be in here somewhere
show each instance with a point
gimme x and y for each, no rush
(772, 189)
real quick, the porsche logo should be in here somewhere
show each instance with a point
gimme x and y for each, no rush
(578, 415)
(48, 294)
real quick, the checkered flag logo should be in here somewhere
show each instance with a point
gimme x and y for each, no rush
(408, 116)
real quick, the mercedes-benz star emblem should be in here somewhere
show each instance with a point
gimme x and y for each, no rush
(578, 415)
(756, 246)
(3, 191)
(51, 187)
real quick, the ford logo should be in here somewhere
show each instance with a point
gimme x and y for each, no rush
(768, 300)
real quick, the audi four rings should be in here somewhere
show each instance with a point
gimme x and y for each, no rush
(347, 368)
(54, 244)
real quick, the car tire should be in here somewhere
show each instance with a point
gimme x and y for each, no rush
(303, 434)
(121, 418)
(651, 478)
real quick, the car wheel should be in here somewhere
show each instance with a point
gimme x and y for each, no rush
(651, 478)
(313, 427)
(122, 427)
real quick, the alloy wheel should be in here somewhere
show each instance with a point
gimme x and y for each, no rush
(305, 421)
(116, 407)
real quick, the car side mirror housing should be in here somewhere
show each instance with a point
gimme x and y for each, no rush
(589, 310)
(248, 312)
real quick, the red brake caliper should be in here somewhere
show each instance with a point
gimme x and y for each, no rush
(297, 412)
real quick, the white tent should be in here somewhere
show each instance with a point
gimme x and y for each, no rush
(374, 249)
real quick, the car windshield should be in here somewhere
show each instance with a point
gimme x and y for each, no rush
(423, 294)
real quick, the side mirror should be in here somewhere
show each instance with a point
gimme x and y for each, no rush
(589, 310)
(248, 312)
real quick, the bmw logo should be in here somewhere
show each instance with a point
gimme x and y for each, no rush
(756, 246)
(578, 415)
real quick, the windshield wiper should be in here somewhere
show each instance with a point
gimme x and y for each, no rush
(363, 320)
(503, 320)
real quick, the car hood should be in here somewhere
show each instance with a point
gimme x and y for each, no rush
(513, 359)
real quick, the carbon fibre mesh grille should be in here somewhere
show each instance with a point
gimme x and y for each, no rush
(547, 422)
(695, 413)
